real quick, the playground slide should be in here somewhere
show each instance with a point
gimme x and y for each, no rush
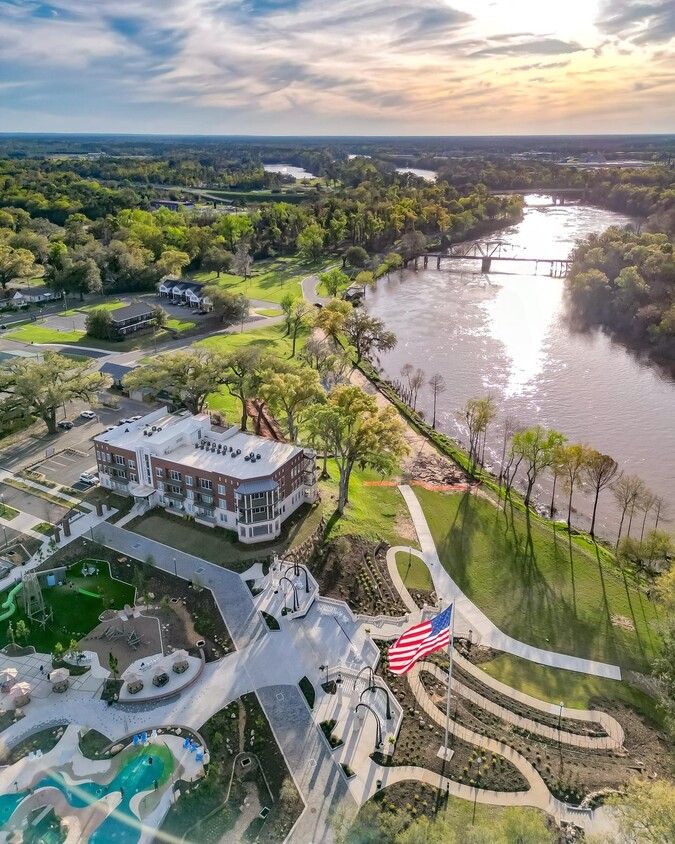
(9, 606)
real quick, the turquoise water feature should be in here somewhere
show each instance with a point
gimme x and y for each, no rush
(137, 774)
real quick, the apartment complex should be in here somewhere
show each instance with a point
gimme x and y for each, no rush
(225, 477)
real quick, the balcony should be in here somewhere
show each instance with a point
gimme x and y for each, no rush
(175, 496)
(120, 479)
(254, 518)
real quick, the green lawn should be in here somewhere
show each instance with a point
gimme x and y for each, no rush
(572, 688)
(413, 571)
(180, 325)
(376, 512)
(270, 312)
(538, 586)
(271, 280)
(74, 614)
(8, 513)
(103, 306)
(38, 334)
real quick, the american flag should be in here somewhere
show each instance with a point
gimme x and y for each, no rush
(420, 640)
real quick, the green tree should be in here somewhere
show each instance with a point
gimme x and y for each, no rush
(368, 334)
(477, 414)
(351, 427)
(230, 307)
(187, 377)
(334, 281)
(21, 631)
(646, 812)
(41, 387)
(627, 490)
(99, 323)
(537, 449)
(438, 386)
(573, 461)
(356, 256)
(287, 303)
(332, 317)
(172, 261)
(291, 393)
(242, 259)
(310, 242)
(299, 316)
(217, 259)
(242, 369)
(159, 316)
(600, 471)
(113, 665)
(77, 276)
(392, 261)
(14, 263)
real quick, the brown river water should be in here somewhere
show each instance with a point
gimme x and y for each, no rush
(507, 334)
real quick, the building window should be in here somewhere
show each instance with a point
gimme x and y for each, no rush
(132, 464)
(222, 504)
(204, 484)
(159, 473)
(221, 489)
(160, 487)
(174, 475)
(176, 490)
(223, 517)
(119, 460)
(190, 494)
(188, 480)
(134, 477)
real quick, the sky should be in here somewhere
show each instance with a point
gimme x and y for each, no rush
(338, 67)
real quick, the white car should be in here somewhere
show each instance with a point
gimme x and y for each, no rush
(88, 414)
(88, 478)
(135, 418)
(110, 428)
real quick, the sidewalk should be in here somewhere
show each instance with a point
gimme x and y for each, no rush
(475, 619)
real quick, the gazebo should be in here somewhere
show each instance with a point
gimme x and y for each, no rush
(134, 683)
(21, 694)
(59, 679)
(180, 663)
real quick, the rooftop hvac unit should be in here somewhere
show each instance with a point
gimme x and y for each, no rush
(238, 452)
(257, 457)
(253, 458)
(154, 427)
(145, 433)
(232, 454)
(149, 433)
(196, 445)
(247, 457)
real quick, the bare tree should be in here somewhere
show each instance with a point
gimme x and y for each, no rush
(659, 507)
(509, 427)
(573, 461)
(417, 381)
(626, 491)
(645, 504)
(437, 384)
(601, 471)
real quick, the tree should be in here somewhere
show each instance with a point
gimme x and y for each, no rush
(351, 428)
(242, 258)
(187, 377)
(41, 387)
(646, 812)
(230, 307)
(160, 318)
(334, 281)
(477, 415)
(242, 368)
(21, 631)
(287, 303)
(172, 261)
(537, 448)
(355, 256)
(298, 317)
(573, 460)
(14, 263)
(392, 261)
(600, 471)
(365, 279)
(291, 393)
(113, 665)
(99, 323)
(367, 334)
(437, 385)
(332, 317)
(217, 259)
(626, 491)
(310, 242)
(77, 276)
(413, 243)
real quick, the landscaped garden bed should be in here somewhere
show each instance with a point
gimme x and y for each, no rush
(349, 569)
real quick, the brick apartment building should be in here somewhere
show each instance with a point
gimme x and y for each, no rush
(225, 477)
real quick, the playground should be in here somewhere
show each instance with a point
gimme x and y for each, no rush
(98, 800)
(62, 605)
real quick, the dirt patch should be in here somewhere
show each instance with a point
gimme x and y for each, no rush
(352, 569)
(623, 622)
(147, 629)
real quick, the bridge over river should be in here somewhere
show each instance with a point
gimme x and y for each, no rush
(488, 251)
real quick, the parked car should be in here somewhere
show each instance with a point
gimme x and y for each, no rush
(65, 425)
(88, 478)
(110, 428)
(123, 422)
(88, 414)
(136, 418)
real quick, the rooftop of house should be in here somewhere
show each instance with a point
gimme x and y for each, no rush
(192, 442)
(131, 311)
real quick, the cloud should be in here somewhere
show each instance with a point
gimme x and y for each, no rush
(534, 47)
(637, 21)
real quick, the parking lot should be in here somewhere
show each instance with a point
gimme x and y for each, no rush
(67, 466)
(43, 510)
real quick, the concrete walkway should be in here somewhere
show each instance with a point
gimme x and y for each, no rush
(470, 617)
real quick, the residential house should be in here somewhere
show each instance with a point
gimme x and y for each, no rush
(184, 290)
(138, 316)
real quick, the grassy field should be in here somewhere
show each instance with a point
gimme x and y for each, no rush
(74, 614)
(269, 312)
(180, 325)
(538, 586)
(104, 306)
(573, 689)
(414, 573)
(270, 281)
(38, 334)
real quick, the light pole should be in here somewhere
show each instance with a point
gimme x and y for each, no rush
(561, 705)
(175, 567)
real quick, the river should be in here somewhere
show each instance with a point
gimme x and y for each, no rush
(507, 335)
(297, 173)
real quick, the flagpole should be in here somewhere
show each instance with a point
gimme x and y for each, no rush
(451, 648)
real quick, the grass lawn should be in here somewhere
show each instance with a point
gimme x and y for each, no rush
(570, 687)
(180, 325)
(376, 512)
(271, 279)
(37, 334)
(538, 586)
(8, 513)
(413, 571)
(270, 312)
(104, 306)
(74, 614)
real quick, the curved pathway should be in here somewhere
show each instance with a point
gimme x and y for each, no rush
(471, 617)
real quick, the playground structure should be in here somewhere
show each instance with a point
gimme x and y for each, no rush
(113, 633)
(33, 600)
(9, 604)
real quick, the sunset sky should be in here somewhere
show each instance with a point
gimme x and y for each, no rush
(337, 66)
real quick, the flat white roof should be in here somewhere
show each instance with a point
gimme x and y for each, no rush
(273, 455)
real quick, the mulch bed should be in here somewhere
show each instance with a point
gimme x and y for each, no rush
(349, 569)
